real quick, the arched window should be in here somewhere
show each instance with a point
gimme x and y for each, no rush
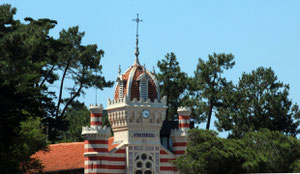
(144, 164)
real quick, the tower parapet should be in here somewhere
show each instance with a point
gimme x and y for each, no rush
(127, 101)
(96, 115)
(126, 116)
(184, 119)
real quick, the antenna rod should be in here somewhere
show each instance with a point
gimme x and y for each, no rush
(96, 90)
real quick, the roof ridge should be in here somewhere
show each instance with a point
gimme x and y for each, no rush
(69, 143)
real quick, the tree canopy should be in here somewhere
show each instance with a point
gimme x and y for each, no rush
(207, 87)
(259, 100)
(77, 115)
(31, 60)
(79, 64)
(262, 151)
(173, 83)
(25, 50)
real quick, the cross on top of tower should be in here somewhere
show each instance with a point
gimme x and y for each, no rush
(137, 20)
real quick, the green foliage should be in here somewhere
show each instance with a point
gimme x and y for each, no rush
(258, 101)
(29, 140)
(77, 115)
(208, 87)
(105, 121)
(81, 65)
(272, 152)
(25, 50)
(210, 154)
(173, 83)
(256, 152)
(30, 62)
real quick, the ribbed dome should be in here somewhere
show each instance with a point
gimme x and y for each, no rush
(137, 81)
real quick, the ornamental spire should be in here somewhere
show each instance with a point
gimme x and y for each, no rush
(137, 20)
(119, 71)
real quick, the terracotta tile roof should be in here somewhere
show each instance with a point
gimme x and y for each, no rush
(63, 156)
(134, 91)
(110, 145)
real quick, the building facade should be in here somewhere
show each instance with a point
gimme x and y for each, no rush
(136, 114)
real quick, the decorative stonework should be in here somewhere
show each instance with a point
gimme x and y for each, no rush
(124, 112)
(96, 108)
(184, 111)
(178, 135)
(96, 132)
(126, 100)
(143, 158)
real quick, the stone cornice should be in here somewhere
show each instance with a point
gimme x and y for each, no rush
(184, 111)
(113, 104)
(98, 131)
(96, 108)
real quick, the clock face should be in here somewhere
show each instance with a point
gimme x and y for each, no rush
(145, 113)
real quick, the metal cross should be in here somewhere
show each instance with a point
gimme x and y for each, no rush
(137, 20)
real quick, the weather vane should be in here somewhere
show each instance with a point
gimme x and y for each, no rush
(137, 20)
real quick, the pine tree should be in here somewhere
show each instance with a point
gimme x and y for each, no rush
(173, 83)
(208, 86)
(259, 100)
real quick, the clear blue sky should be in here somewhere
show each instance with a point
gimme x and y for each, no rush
(258, 33)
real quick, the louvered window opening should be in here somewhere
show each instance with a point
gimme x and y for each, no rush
(121, 90)
(143, 88)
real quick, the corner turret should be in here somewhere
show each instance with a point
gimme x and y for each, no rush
(179, 136)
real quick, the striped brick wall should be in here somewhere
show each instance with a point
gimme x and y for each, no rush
(113, 162)
(95, 150)
(107, 163)
(96, 115)
(165, 157)
(179, 147)
(180, 136)
(95, 145)
(184, 118)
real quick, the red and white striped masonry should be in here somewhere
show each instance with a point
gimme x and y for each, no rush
(96, 115)
(166, 157)
(95, 149)
(184, 118)
(96, 146)
(180, 136)
(113, 162)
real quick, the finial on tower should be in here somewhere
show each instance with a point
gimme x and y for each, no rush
(137, 20)
(153, 70)
(119, 71)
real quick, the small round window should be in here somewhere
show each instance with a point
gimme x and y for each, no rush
(138, 172)
(144, 156)
(148, 165)
(143, 163)
(139, 164)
